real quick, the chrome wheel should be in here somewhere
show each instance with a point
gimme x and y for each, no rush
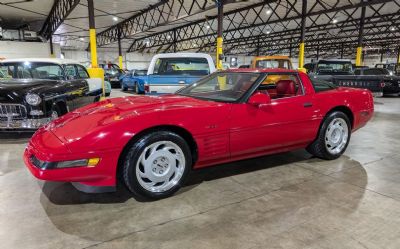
(160, 166)
(336, 136)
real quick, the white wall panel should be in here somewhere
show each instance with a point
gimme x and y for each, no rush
(17, 49)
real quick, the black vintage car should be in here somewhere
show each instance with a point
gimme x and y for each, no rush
(33, 93)
(391, 82)
(341, 73)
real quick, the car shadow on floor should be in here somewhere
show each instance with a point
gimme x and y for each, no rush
(15, 137)
(65, 194)
(102, 217)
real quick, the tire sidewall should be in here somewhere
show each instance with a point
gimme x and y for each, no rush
(130, 163)
(324, 128)
(137, 87)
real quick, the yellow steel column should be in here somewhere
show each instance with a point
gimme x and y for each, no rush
(302, 35)
(220, 6)
(93, 47)
(120, 51)
(360, 38)
(219, 52)
(301, 55)
(359, 56)
(120, 60)
(94, 71)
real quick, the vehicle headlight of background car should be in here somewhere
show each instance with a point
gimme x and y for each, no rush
(33, 99)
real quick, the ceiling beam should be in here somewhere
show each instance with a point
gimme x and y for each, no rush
(58, 13)
(283, 15)
(166, 12)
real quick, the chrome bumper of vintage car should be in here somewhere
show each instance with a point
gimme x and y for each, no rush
(24, 123)
(14, 116)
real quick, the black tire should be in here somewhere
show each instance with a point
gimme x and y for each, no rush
(137, 88)
(133, 154)
(123, 88)
(56, 110)
(107, 94)
(318, 147)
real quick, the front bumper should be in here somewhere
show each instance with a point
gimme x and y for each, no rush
(45, 146)
(23, 124)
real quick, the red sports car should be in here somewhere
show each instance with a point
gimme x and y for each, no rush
(152, 142)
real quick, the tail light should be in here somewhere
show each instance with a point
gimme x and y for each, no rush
(146, 88)
(383, 84)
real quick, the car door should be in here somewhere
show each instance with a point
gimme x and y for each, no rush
(95, 84)
(93, 87)
(290, 120)
(78, 88)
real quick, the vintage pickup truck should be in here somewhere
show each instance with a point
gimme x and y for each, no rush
(341, 73)
(169, 72)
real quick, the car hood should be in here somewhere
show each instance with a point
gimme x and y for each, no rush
(95, 119)
(14, 89)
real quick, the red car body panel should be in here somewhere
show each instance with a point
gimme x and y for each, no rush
(222, 132)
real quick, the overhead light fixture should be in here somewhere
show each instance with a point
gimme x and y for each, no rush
(82, 39)
(208, 26)
(392, 29)
(268, 12)
(268, 32)
(115, 19)
(168, 37)
(334, 20)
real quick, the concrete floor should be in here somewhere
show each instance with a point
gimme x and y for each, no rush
(283, 201)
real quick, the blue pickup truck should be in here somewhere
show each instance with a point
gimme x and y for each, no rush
(169, 72)
(134, 79)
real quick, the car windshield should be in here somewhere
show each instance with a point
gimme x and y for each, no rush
(140, 72)
(221, 86)
(31, 70)
(321, 85)
(181, 66)
(273, 63)
(334, 67)
(113, 71)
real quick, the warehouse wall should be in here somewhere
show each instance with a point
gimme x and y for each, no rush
(17, 49)
(130, 60)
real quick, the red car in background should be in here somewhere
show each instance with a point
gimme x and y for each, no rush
(152, 142)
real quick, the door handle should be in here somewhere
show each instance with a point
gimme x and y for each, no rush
(307, 104)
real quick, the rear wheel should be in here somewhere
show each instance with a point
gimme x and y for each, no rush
(157, 164)
(123, 87)
(137, 87)
(333, 137)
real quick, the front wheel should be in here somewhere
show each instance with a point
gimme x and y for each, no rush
(333, 137)
(157, 164)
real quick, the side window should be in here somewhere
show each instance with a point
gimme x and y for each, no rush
(281, 86)
(70, 72)
(82, 72)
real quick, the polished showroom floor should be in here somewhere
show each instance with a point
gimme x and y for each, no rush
(283, 201)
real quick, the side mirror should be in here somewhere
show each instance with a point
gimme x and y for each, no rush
(259, 99)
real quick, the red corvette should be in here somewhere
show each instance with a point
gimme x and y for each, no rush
(153, 142)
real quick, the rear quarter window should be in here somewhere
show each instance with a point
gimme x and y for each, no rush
(322, 85)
